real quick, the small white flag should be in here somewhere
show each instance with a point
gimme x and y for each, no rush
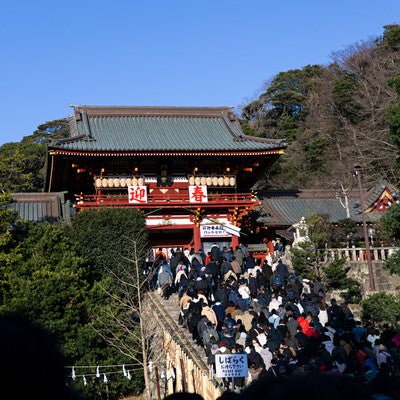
(129, 375)
(73, 373)
(98, 372)
(124, 370)
(105, 380)
(84, 380)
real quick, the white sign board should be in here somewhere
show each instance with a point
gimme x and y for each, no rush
(213, 230)
(231, 365)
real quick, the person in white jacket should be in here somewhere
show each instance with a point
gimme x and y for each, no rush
(244, 291)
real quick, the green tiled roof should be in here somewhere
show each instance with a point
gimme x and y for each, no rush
(41, 207)
(285, 208)
(159, 128)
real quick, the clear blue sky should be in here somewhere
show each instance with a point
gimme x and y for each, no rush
(163, 52)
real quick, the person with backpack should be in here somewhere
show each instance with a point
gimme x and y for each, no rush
(276, 282)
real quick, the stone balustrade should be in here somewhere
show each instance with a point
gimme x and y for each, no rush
(356, 254)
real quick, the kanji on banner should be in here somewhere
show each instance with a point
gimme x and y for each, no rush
(137, 194)
(198, 194)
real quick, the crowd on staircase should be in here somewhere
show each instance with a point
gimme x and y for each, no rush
(232, 303)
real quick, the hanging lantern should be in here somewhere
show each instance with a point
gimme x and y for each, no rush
(209, 181)
(221, 181)
(191, 180)
(215, 181)
(98, 182)
(226, 181)
(128, 182)
(203, 180)
(104, 183)
(232, 181)
(197, 181)
(134, 181)
(140, 181)
(116, 182)
(122, 182)
(110, 182)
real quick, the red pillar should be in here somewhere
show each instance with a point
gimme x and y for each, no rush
(196, 237)
(235, 242)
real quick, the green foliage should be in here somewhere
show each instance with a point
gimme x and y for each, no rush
(248, 129)
(379, 309)
(391, 37)
(343, 97)
(51, 130)
(392, 264)
(304, 260)
(9, 253)
(335, 273)
(22, 164)
(332, 115)
(393, 116)
(102, 236)
(390, 222)
(51, 284)
(343, 234)
(319, 230)
(47, 285)
(315, 153)
(336, 278)
(281, 110)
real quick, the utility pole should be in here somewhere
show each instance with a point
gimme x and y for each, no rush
(357, 174)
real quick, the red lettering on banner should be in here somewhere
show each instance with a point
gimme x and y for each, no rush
(137, 194)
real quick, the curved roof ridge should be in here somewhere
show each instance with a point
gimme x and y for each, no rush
(146, 111)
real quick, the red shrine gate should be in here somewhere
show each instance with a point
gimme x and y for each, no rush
(189, 170)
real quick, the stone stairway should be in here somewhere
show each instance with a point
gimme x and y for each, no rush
(174, 351)
(171, 306)
(167, 312)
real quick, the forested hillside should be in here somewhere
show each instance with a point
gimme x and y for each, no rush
(334, 116)
(331, 116)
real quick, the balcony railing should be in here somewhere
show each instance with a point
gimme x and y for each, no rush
(171, 198)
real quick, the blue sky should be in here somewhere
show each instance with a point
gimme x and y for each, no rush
(164, 52)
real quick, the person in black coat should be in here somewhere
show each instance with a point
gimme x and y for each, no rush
(193, 321)
(254, 358)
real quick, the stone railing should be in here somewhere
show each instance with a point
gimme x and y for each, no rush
(184, 367)
(356, 254)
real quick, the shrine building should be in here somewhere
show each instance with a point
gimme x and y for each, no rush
(190, 170)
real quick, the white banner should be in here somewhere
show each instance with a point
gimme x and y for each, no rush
(137, 194)
(198, 194)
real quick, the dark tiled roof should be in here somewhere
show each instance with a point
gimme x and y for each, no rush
(285, 208)
(40, 207)
(159, 128)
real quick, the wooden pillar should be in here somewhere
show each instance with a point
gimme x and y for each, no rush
(196, 237)
(235, 242)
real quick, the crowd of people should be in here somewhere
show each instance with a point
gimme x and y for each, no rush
(232, 302)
